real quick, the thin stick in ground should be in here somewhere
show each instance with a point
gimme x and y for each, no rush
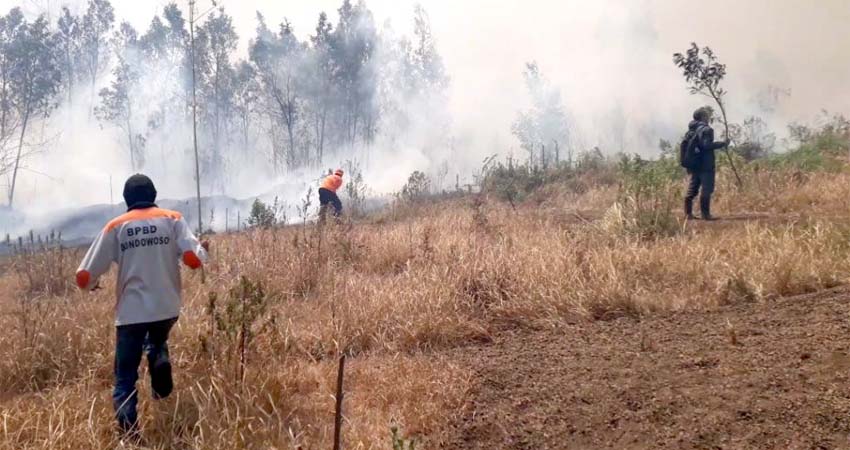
(339, 396)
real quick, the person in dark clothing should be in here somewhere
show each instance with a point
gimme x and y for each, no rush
(702, 175)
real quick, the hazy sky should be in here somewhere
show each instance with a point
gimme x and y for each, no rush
(601, 51)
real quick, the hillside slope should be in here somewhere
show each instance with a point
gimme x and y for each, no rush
(583, 314)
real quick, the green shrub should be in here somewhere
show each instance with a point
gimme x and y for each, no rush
(512, 183)
(822, 153)
(591, 160)
(648, 191)
(240, 320)
(263, 215)
(515, 182)
(823, 148)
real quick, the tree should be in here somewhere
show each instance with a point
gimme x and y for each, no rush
(321, 91)
(279, 62)
(703, 72)
(299, 102)
(119, 99)
(215, 42)
(96, 26)
(427, 72)
(545, 124)
(68, 47)
(245, 100)
(427, 62)
(10, 26)
(352, 46)
(34, 81)
(410, 101)
(167, 42)
(166, 58)
(117, 108)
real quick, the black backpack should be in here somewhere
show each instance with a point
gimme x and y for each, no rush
(689, 150)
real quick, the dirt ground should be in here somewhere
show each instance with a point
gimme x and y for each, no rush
(770, 375)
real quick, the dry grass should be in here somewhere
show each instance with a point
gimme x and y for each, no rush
(392, 292)
(789, 192)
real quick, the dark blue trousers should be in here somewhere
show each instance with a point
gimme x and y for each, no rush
(701, 183)
(327, 197)
(130, 342)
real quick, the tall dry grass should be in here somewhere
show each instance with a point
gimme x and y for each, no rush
(788, 192)
(393, 292)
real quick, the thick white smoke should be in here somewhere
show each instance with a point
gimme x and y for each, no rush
(611, 60)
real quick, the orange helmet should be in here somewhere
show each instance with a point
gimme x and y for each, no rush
(338, 172)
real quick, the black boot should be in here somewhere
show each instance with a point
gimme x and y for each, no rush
(705, 208)
(160, 370)
(689, 208)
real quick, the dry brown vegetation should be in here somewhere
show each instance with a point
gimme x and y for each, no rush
(392, 292)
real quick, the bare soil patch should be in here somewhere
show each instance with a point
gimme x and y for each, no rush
(749, 376)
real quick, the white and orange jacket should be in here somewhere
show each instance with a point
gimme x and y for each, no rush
(148, 245)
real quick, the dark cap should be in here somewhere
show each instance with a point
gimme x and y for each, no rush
(139, 192)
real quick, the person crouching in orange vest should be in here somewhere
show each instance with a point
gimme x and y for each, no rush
(327, 194)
